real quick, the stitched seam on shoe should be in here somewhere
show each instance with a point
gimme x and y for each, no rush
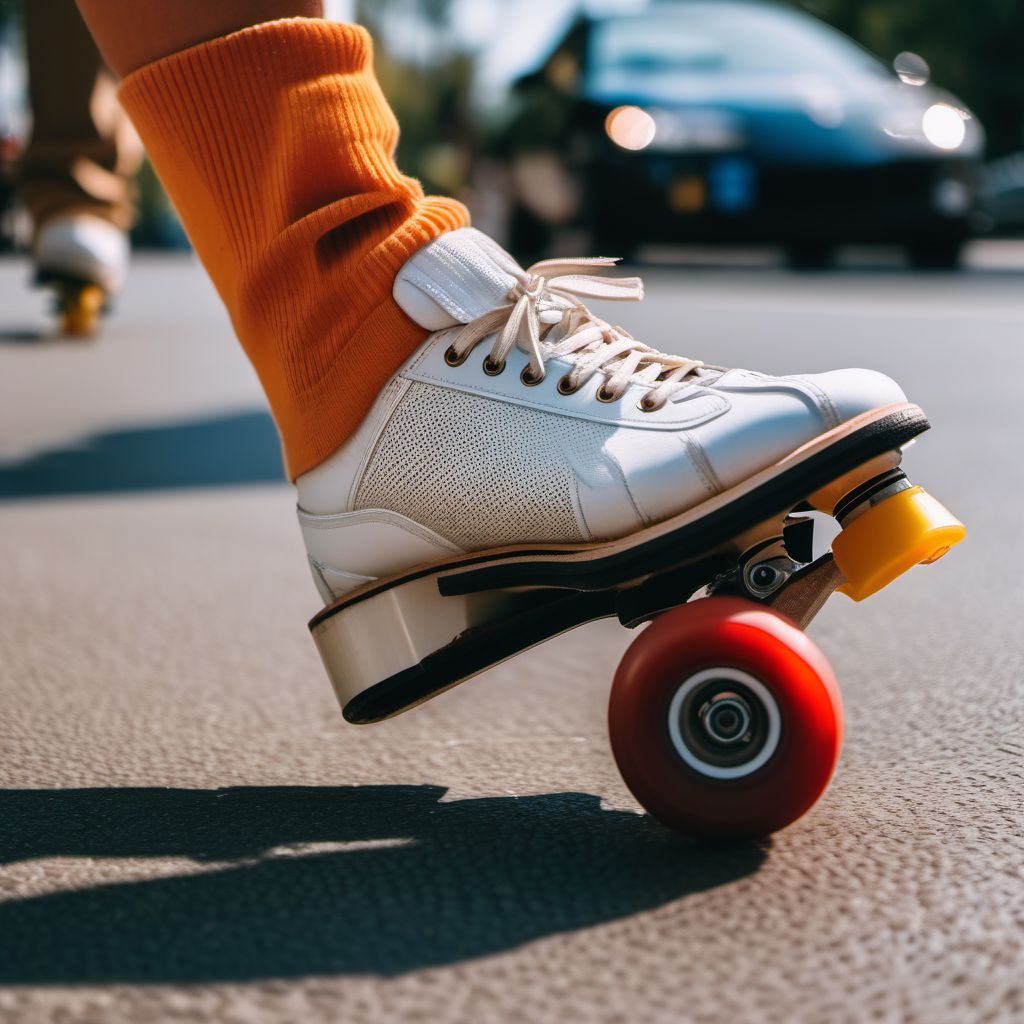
(722, 405)
(425, 349)
(645, 520)
(402, 386)
(698, 457)
(318, 568)
(588, 534)
(322, 567)
(383, 516)
(823, 401)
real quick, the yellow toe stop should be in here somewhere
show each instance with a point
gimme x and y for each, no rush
(902, 531)
(82, 311)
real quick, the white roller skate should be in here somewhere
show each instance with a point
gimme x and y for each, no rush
(84, 258)
(532, 467)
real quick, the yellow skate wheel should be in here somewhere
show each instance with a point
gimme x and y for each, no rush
(81, 310)
(904, 530)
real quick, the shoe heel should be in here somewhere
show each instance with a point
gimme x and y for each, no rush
(383, 636)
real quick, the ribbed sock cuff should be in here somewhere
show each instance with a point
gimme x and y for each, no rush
(276, 146)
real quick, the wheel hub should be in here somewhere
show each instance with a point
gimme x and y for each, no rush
(724, 723)
(726, 718)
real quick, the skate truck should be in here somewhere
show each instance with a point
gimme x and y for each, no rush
(725, 719)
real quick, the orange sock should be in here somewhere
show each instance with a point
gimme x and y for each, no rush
(276, 146)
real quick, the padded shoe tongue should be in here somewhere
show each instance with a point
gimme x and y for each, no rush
(456, 278)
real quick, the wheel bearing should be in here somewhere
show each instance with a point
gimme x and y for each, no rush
(726, 718)
(724, 723)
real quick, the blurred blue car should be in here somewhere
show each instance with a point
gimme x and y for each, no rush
(741, 121)
(8, 157)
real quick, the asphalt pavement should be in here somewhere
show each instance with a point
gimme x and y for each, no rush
(189, 830)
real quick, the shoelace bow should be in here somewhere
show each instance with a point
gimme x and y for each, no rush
(548, 296)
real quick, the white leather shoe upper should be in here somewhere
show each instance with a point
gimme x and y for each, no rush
(453, 457)
(83, 246)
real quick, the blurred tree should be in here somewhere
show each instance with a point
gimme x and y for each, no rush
(9, 146)
(975, 50)
(428, 81)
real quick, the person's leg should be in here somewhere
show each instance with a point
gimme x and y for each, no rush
(275, 144)
(82, 154)
(131, 36)
(518, 416)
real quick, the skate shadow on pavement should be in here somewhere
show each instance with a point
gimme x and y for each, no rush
(293, 881)
(240, 448)
(22, 336)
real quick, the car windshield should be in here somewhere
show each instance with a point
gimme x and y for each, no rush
(726, 37)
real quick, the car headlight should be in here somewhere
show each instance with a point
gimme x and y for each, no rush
(944, 126)
(630, 127)
(676, 131)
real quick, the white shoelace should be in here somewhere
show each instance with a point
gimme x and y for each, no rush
(545, 303)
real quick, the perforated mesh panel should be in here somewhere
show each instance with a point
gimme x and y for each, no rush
(479, 472)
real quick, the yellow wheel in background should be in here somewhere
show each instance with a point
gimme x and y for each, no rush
(81, 310)
(904, 530)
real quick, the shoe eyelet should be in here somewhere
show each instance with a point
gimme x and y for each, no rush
(493, 369)
(606, 394)
(566, 386)
(528, 378)
(452, 358)
(646, 405)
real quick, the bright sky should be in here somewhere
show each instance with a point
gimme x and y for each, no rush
(12, 87)
(510, 35)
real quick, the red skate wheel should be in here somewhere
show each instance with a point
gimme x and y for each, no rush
(725, 719)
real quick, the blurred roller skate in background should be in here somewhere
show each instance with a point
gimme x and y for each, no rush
(83, 259)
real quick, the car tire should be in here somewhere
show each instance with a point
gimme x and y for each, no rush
(810, 255)
(609, 240)
(936, 253)
(529, 237)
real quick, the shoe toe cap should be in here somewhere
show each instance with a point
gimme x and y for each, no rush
(855, 391)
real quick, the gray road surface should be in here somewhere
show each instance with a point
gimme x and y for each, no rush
(189, 831)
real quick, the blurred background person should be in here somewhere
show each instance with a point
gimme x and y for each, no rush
(76, 176)
(774, 124)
